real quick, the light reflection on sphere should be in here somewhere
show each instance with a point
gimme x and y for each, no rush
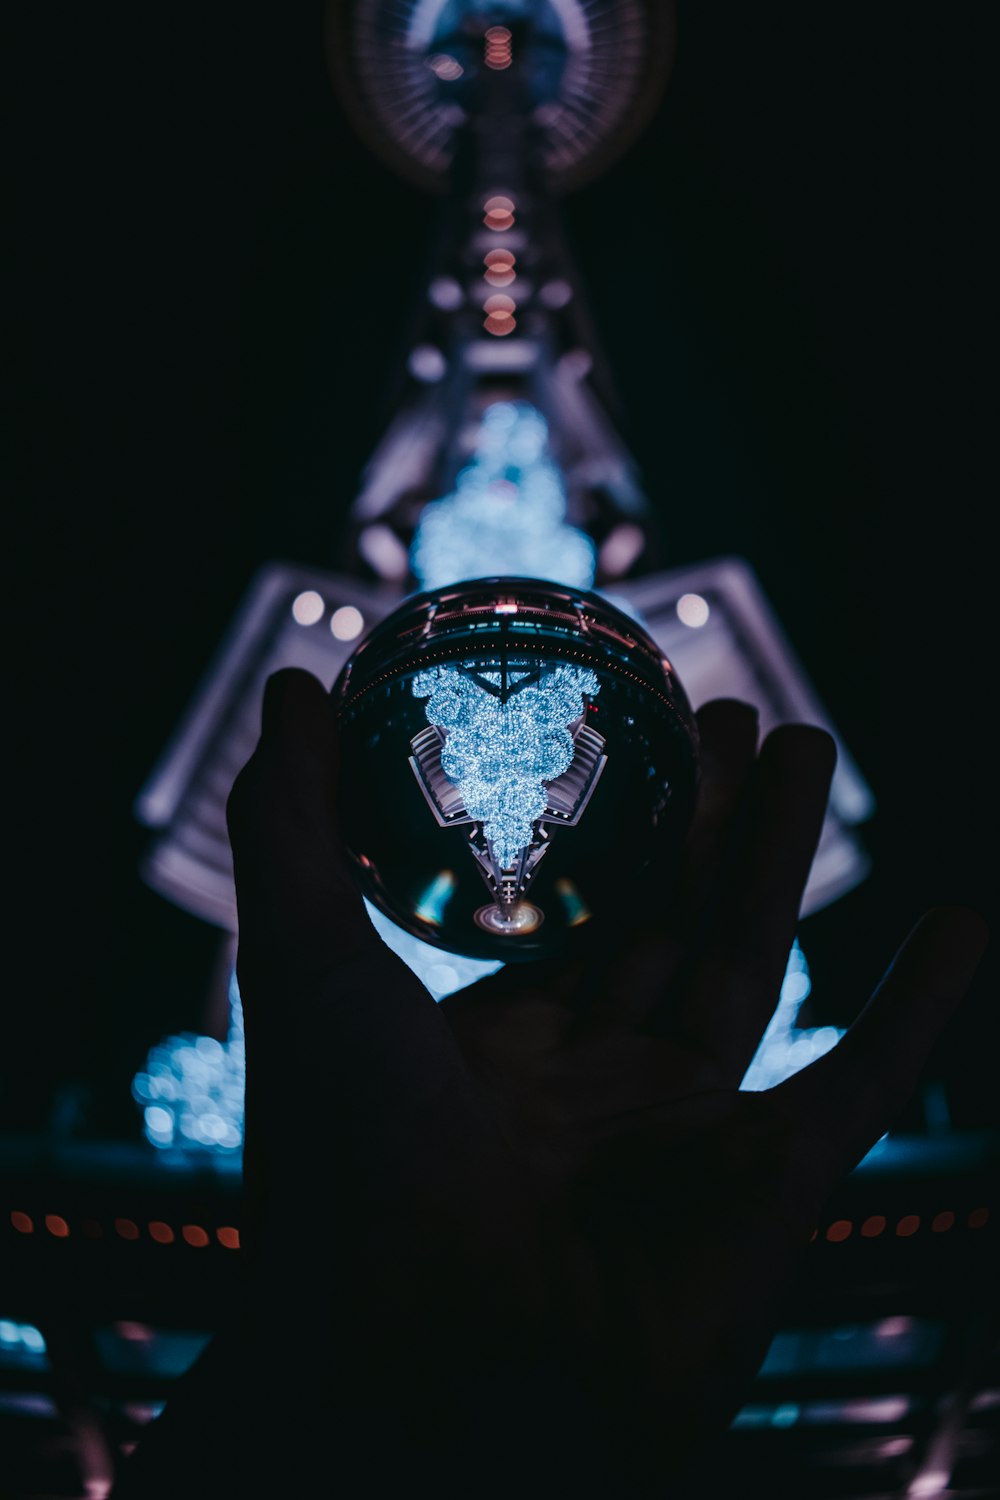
(515, 755)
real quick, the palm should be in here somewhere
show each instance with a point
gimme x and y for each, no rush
(560, 1157)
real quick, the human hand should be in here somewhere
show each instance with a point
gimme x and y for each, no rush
(552, 1202)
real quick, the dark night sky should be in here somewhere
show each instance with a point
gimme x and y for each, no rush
(210, 276)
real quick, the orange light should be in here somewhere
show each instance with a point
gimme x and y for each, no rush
(23, 1223)
(228, 1236)
(500, 304)
(499, 324)
(160, 1232)
(978, 1218)
(908, 1224)
(874, 1225)
(57, 1226)
(127, 1228)
(840, 1229)
(194, 1235)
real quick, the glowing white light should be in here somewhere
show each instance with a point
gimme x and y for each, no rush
(427, 363)
(443, 977)
(500, 753)
(308, 608)
(692, 610)
(347, 622)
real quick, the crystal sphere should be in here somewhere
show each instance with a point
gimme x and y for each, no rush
(514, 756)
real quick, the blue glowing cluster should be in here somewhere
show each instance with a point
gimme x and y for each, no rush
(506, 513)
(191, 1092)
(500, 750)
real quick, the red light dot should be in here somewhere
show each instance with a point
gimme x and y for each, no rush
(942, 1221)
(127, 1229)
(978, 1218)
(497, 34)
(228, 1236)
(195, 1235)
(873, 1225)
(499, 304)
(840, 1229)
(23, 1223)
(499, 276)
(499, 324)
(498, 204)
(499, 260)
(908, 1224)
(160, 1232)
(57, 1226)
(498, 221)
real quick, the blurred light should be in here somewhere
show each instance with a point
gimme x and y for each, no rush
(908, 1224)
(505, 609)
(498, 204)
(894, 1328)
(499, 303)
(228, 1237)
(577, 911)
(840, 1229)
(23, 1223)
(443, 977)
(128, 1229)
(499, 267)
(576, 365)
(308, 608)
(786, 1047)
(620, 549)
(942, 1221)
(426, 961)
(498, 51)
(427, 363)
(346, 623)
(785, 1415)
(431, 904)
(978, 1217)
(506, 512)
(27, 1404)
(934, 1482)
(555, 294)
(445, 67)
(194, 1235)
(692, 610)
(160, 1232)
(382, 549)
(499, 324)
(873, 1225)
(57, 1226)
(445, 292)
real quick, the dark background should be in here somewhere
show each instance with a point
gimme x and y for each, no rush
(210, 275)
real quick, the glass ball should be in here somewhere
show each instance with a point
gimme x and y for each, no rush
(514, 756)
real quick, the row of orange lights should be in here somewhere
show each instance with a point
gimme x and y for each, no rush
(158, 1230)
(499, 52)
(909, 1224)
(499, 310)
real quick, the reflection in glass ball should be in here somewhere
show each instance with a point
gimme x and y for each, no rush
(514, 755)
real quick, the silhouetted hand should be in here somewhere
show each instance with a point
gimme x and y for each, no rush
(554, 1232)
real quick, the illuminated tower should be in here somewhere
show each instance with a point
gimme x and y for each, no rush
(502, 456)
